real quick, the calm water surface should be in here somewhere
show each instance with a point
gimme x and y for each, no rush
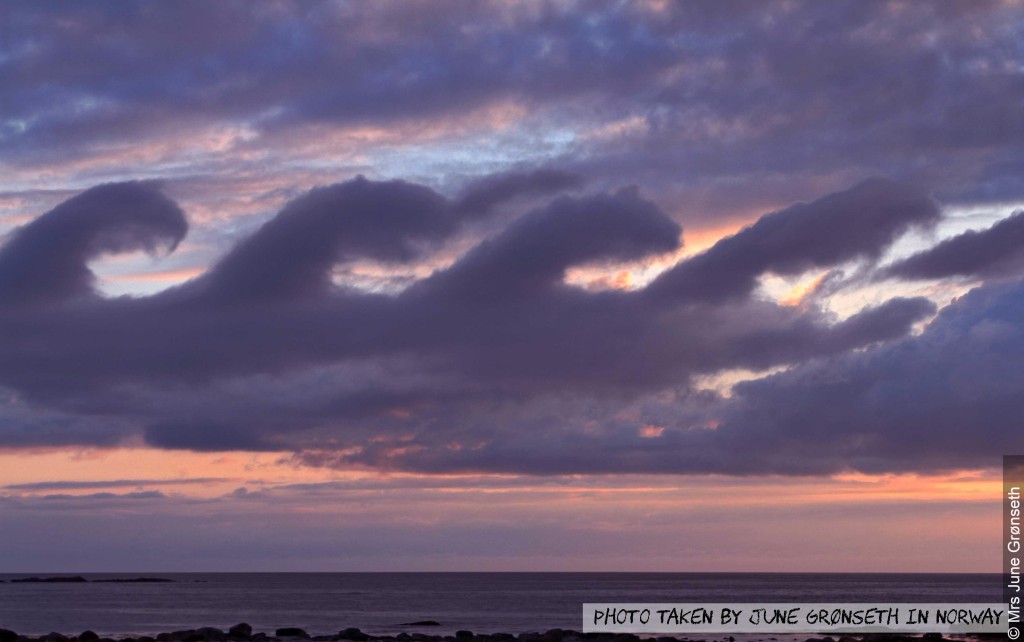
(324, 603)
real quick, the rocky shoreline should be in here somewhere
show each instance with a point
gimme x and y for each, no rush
(78, 579)
(244, 633)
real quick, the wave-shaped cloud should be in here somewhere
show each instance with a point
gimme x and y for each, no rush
(494, 362)
(47, 259)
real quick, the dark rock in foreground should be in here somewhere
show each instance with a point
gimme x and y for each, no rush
(79, 579)
(421, 623)
(203, 634)
(137, 579)
(242, 630)
(211, 634)
(291, 632)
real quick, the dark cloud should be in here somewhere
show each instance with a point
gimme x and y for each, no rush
(47, 259)
(212, 436)
(999, 250)
(534, 252)
(293, 253)
(392, 221)
(947, 399)
(854, 224)
(483, 195)
(466, 367)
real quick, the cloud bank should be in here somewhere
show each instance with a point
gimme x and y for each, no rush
(492, 362)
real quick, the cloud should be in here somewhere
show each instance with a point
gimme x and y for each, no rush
(628, 523)
(485, 194)
(111, 483)
(292, 254)
(858, 223)
(491, 363)
(948, 398)
(103, 498)
(536, 250)
(999, 250)
(47, 259)
(843, 91)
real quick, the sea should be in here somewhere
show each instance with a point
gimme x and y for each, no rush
(384, 603)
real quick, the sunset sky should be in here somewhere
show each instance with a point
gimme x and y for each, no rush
(625, 286)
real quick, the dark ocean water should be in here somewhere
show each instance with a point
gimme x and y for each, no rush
(324, 603)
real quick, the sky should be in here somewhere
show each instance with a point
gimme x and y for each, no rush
(595, 286)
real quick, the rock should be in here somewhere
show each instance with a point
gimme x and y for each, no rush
(352, 633)
(463, 635)
(56, 637)
(88, 636)
(932, 636)
(403, 637)
(291, 632)
(241, 630)
(135, 580)
(211, 634)
(7, 635)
